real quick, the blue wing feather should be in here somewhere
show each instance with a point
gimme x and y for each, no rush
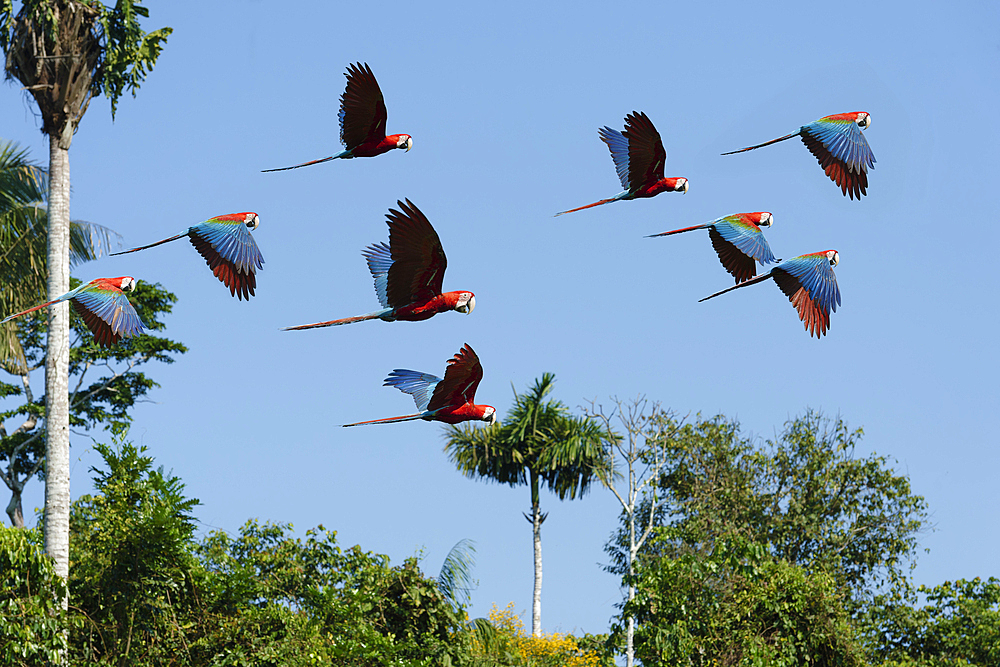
(112, 307)
(816, 275)
(379, 257)
(419, 385)
(749, 241)
(233, 241)
(845, 141)
(618, 145)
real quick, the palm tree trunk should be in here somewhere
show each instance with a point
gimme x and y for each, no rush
(57, 366)
(536, 532)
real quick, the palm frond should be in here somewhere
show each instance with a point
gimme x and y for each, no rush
(455, 579)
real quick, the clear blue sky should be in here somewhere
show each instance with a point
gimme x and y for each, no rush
(503, 102)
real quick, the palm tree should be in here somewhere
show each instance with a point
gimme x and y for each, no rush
(538, 443)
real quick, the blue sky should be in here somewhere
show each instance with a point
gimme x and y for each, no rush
(503, 103)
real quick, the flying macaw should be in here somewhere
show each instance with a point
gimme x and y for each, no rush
(362, 120)
(809, 283)
(227, 245)
(639, 160)
(841, 149)
(104, 308)
(738, 241)
(448, 400)
(408, 273)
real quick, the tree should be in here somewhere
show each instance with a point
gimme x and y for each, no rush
(539, 443)
(643, 451)
(107, 384)
(64, 52)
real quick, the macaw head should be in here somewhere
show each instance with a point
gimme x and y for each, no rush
(466, 302)
(682, 186)
(404, 141)
(864, 120)
(252, 220)
(489, 415)
(127, 284)
(764, 219)
(833, 257)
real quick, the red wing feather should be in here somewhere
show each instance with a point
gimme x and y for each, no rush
(739, 265)
(461, 379)
(646, 155)
(418, 260)
(815, 319)
(362, 108)
(241, 285)
(852, 183)
(101, 329)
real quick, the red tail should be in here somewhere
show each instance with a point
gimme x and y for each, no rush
(304, 164)
(151, 245)
(678, 231)
(30, 310)
(752, 281)
(766, 143)
(390, 420)
(333, 323)
(596, 203)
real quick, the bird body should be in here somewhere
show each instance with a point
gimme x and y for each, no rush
(810, 285)
(450, 400)
(104, 308)
(639, 159)
(229, 248)
(362, 120)
(408, 273)
(738, 241)
(841, 149)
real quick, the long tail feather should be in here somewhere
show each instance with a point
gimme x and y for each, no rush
(766, 143)
(596, 203)
(758, 279)
(306, 164)
(30, 310)
(151, 245)
(333, 323)
(390, 420)
(678, 231)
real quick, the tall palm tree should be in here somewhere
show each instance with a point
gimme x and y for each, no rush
(538, 443)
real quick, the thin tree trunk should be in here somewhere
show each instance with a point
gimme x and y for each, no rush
(536, 533)
(630, 635)
(57, 366)
(14, 509)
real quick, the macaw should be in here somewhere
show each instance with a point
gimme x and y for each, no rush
(227, 245)
(104, 308)
(738, 241)
(841, 149)
(809, 283)
(408, 273)
(448, 400)
(639, 159)
(362, 120)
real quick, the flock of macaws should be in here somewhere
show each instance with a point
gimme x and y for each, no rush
(409, 270)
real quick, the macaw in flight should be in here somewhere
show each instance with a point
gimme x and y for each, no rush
(449, 400)
(841, 149)
(738, 241)
(639, 160)
(809, 283)
(104, 308)
(362, 120)
(227, 245)
(408, 273)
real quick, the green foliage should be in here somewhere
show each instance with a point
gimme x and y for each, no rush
(31, 618)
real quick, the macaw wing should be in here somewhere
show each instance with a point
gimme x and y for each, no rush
(418, 260)
(618, 145)
(362, 108)
(811, 285)
(230, 250)
(461, 379)
(647, 157)
(107, 312)
(738, 243)
(379, 260)
(842, 151)
(419, 385)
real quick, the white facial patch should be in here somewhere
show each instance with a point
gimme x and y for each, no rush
(834, 257)
(252, 220)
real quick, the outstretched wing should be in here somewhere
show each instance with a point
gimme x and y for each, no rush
(738, 242)
(811, 285)
(646, 155)
(362, 108)
(419, 385)
(842, 151)
(461, 379)
(230, 250)
(418, 260)
(618, 145)
(107, 311)
(379, 259)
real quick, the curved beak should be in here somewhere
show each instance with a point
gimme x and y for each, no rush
(471, 305)
(409, 144)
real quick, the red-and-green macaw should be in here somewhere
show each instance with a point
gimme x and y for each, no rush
(738, 241)
(408, 273)
(639, 159)
(104, 308)
(809, 283)
(841, 149)
(227, 245)
(362, 120)
(450, 400)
